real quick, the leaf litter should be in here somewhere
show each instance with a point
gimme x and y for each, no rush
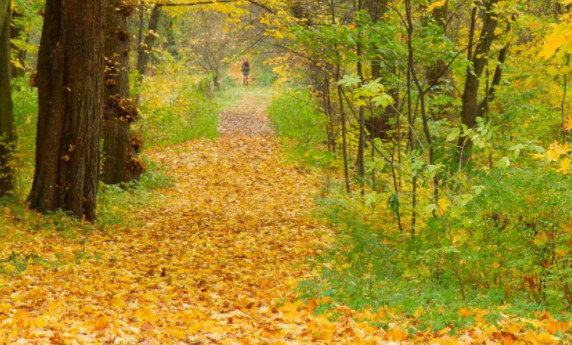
(217, 262)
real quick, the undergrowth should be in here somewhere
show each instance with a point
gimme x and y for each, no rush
(300, 128)
(176, 108)
(505, 248)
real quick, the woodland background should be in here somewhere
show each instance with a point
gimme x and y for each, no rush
(440, 130)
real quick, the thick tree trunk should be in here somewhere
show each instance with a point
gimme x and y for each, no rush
(70, 93)
(7, 137)
(469, 110)
(120, 157)
(146, 47)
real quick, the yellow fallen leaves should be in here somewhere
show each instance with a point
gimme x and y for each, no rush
(217, 263)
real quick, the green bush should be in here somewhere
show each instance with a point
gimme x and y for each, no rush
(25, 118)
(295, 118)
(509, 246)
(519, 236)
(294, 115)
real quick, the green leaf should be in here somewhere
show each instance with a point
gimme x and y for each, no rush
(453, 135)
(394, 204)
(382, 100)
(349, 80)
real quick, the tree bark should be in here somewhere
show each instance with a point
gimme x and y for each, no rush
(16, 32)
(469, 110)
(70, 93)
(147, 46)
(120, 152)
(7, 136)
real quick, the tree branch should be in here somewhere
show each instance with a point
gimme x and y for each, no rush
(209, 2)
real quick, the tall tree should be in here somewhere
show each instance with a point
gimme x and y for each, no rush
(120, 151)
(70, 82)
(7, 136)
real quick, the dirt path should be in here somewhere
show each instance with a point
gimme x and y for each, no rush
(217, 263)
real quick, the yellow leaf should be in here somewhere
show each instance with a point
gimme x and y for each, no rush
(322, 329)
(41, 322)
(397, 334)
(568, 124)
(560, 149)
(552, 155)
(555, 150)
(564, 166)
(540, 239)
(436, 4)
(465, 312)
(546, 338)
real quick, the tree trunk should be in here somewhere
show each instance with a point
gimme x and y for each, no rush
(147, 46)
(490, 92)
(7, 137)
(469, 110)
(376, 9)
(16, 32)
(435, 72)
(120, 157)
(70, 93)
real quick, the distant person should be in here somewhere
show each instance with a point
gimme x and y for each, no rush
(245, 71)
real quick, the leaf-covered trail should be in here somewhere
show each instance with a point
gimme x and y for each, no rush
(216, 263)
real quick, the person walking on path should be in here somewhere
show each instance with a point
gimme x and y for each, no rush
(245, 71)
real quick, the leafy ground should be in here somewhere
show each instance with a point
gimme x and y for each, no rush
(217, 259)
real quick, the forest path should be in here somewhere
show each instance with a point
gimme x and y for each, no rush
(217, 262)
